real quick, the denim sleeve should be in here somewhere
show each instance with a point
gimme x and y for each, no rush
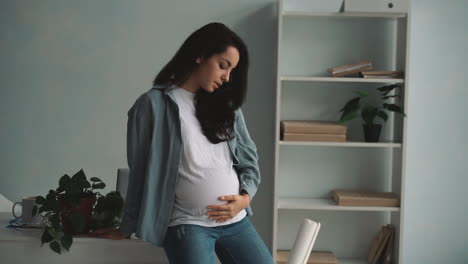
(246, 152)
(139, 134)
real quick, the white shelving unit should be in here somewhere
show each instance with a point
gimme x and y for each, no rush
(309, 43)
(337, 14)
(342, 144)
(341, 79)
(325, 204)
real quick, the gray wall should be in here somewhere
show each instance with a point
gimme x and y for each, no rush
(70, 70)
(436, 208)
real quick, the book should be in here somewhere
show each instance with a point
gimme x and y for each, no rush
(365, 198)
(313, 127)
(314, 137)
(316, 257)
(387, 257)
(378, 245)
(381, 74)
(344, 70)
(381, 77)
(382, 246)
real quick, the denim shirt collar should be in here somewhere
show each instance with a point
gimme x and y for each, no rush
(167, 88)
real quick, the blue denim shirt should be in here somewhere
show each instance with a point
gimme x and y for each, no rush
(154, 148)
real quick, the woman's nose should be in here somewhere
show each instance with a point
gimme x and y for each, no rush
(225, 77)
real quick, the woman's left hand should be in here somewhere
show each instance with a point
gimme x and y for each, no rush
(224, 212)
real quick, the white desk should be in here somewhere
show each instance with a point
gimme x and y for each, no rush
(23, 246)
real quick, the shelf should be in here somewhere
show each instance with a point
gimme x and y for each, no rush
(344, 14)
(342, 144)
(351, 261)
(339, 260)
(325, 204)
(340, 79)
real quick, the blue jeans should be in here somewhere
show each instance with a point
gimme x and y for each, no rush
(237, 243)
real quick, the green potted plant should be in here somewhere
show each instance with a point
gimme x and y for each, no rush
(75, 208)
(369, 112)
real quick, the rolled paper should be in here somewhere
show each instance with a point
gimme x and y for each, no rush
(304, 242)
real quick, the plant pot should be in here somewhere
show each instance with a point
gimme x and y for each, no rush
(372, 132)
(84, 210)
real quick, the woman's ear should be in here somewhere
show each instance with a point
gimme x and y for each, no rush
(198, 60)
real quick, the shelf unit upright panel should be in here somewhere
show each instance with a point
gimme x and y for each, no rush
(309, 43)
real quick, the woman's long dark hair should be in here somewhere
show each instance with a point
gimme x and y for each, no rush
(215, 111)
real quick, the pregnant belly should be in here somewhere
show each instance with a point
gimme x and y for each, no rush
(194, 194)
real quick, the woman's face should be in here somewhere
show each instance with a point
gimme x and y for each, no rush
(212, 72)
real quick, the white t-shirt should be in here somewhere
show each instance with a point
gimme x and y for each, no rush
(205, 170)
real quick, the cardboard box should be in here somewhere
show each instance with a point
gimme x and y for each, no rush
(312, 127)
(314, 137)
(365, 198)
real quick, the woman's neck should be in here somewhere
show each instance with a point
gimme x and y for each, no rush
(189, 85)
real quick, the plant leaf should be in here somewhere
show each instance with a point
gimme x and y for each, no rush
(387, 89)
(54, 219)
(85, 184)
(34, 212)
(55, 234)
(393, 108)
(390, 96)
(55, 246)
(99, 207)
(351, 105)
(67, 241)
(64, 181)
(348, 116)
(383, 115)
(46, 237)
(74, 188)
(369, 113)
(95, 179)
(50, 196)
(79, 177)
(44, 208)
(40, 200)
(100, 185)
(362, 93)
(51, 201)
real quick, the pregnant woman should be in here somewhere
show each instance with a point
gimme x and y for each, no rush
(193, 166)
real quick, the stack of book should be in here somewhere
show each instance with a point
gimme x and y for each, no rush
(316, 257)
(381, 250)
(381, 74)
(365, 198)
(312, 131)
(351, 69)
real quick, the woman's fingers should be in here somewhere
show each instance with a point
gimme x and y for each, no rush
(223, 220)
(219, 215)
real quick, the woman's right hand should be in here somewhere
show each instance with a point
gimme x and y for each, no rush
(111, 233)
